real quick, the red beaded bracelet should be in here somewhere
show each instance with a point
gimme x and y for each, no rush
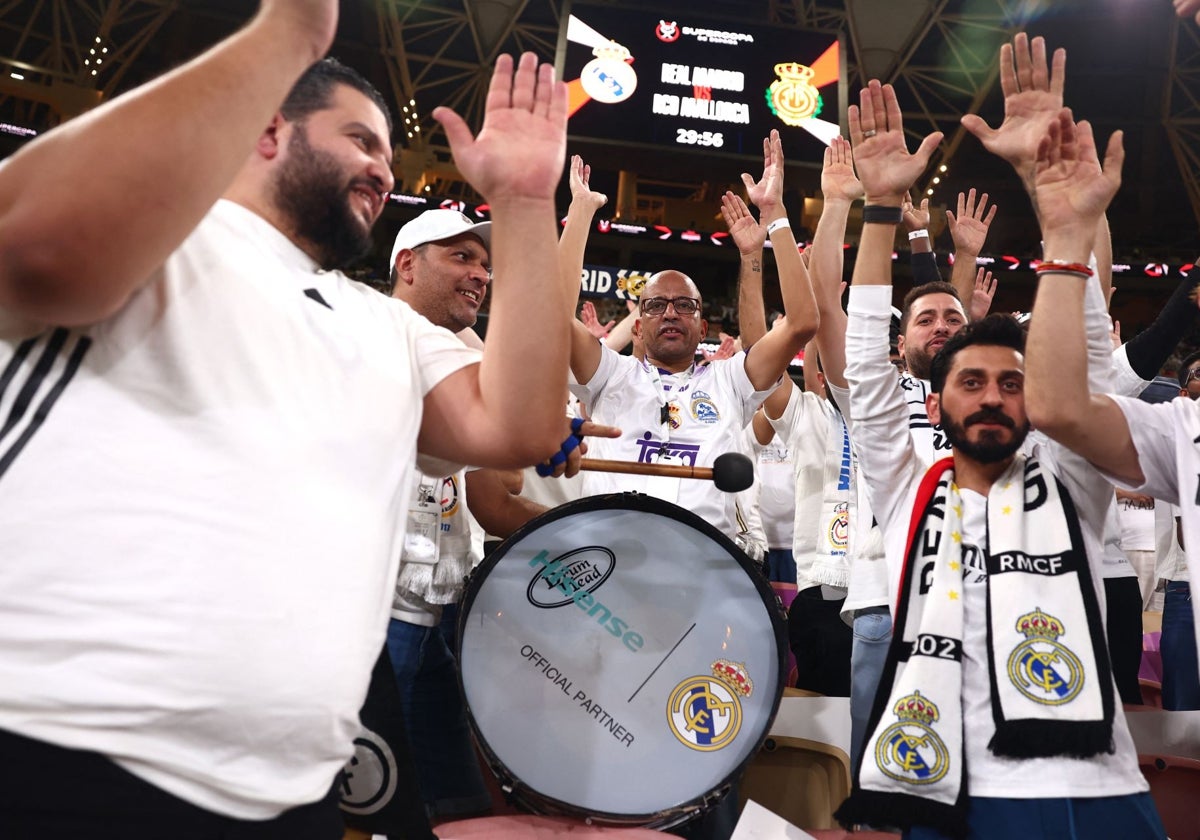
(1063, 267)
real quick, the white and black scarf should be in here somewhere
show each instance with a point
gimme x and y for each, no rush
(1052, 687)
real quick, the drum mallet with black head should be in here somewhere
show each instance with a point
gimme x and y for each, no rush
(731, 472)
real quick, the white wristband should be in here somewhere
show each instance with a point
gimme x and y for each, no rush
(918, 234)
(778, 224)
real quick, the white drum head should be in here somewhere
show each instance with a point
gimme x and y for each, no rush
(620, 660)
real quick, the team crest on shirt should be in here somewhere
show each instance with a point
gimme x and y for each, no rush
(1041, 667)
(705, 712)
(704, 409)
(673, 414)
(839, 526)
(909, 750)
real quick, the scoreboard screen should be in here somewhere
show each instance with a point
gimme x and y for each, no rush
(690, 83)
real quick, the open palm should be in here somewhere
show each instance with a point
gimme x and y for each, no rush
(1033, 96)
(1071, 187)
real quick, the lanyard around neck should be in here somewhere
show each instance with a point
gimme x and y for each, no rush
(662, 391)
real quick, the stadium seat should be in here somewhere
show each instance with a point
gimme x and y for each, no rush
(802, 781)
(1175, 787)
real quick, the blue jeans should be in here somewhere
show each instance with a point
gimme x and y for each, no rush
(1131, 817)
(781, 565)
(436, 720)
(1181, 674)
(872, 635)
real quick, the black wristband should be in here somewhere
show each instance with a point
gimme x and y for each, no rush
(882, 214)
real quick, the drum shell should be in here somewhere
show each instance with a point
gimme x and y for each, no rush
(598, 696)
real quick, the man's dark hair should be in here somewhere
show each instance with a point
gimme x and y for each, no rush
(996, 330)
(1184, 366)
(937, 287)
(313, 91)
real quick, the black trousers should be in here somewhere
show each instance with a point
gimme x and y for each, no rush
(821, 643)
(1123, 621)
(51, 792)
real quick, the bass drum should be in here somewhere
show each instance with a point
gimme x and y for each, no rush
(622, 661)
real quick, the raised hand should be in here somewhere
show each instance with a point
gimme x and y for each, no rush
(838, 181)
(881, 156)
(587, 314)
(519, 151)
(914, 218)
(981, 297)
(726, 350)
(1183, 8)
(748, 235)
(767, 192)
(1033, 96)
(581, 191)
(969, 228)
(1070, 187)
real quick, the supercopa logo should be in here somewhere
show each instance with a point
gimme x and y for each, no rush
(667, 31)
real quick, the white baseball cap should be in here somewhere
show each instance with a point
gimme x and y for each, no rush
(436, 225)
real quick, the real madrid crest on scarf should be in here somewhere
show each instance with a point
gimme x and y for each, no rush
(1052, 687)
(1042, 668)
(910, 750)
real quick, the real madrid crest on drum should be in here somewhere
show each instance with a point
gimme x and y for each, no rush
(706, 712)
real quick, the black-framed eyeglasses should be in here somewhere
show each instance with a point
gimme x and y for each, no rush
(658, 305)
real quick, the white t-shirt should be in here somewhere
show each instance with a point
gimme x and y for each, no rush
(1125, 381)
(714, 403)
(1137, 524)
(1170, 470)
(892, 469)
(200, 526)
(776, 490)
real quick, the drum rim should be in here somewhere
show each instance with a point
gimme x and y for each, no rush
(626, 501)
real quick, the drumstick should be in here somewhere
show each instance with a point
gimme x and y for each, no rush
(731, 472)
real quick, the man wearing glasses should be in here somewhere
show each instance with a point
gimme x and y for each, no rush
(672, 411)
